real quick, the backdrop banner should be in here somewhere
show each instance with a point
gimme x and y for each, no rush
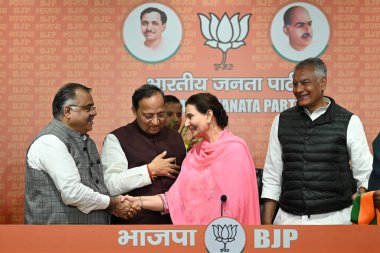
(239, 50)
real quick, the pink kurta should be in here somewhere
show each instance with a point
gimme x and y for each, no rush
(210, 170)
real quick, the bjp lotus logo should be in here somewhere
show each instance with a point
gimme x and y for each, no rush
(224, 33)
(224, 234)
(227, 232)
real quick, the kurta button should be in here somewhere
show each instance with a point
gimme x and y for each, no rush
(307, 137)
(85, 149)
(97, 181)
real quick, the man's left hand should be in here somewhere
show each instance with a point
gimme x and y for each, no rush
(360, 190)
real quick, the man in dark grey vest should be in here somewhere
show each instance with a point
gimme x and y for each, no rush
(318, 157)
(64, 180)
(143, 157)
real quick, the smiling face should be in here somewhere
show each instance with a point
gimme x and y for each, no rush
(308, 89)
(80, 116)
(152, 27)
(196, 122)
(150, 114)
(299, 29)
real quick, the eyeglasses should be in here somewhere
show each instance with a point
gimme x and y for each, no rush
(150, 116)
(87, 108)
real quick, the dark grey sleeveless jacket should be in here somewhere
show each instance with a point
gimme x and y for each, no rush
(43, 202)
(316, 174)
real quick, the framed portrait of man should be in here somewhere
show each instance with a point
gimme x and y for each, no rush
(152, 32)
(299, 31)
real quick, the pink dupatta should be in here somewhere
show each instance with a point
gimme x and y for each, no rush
(209, 171)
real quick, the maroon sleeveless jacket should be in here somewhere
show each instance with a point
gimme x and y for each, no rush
(141, 148)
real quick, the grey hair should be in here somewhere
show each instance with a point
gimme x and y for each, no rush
(319, 66)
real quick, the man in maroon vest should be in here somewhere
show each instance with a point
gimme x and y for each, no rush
(143, 157)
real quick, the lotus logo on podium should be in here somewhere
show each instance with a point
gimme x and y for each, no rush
(224, 234)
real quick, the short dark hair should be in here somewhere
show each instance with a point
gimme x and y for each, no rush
(171, 99)
(145, 91)
(288, 13)
(163, 16)
(66, 95)
(206, 101)
(319, 66)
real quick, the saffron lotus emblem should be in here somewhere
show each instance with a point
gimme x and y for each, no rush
(224, 234)
(224, 33)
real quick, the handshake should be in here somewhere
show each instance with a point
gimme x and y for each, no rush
(125, 206)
